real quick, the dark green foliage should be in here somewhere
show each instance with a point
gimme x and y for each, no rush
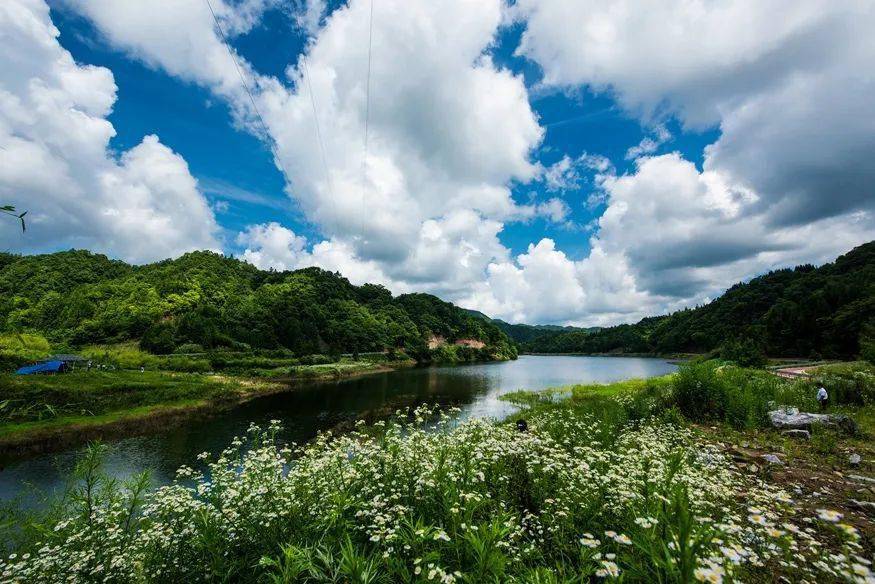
(745, 352)
(867, 344)
(215, 302)
(530, 333)
(800, 312)
(709, 392)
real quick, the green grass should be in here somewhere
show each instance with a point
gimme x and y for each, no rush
(86, 421)
(30, 401)
(589, 492)
(17, 349)
(31, 404)
(343, 368)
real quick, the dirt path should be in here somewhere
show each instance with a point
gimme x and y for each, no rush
(794, 372)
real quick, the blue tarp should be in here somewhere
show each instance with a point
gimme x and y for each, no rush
(47, 367)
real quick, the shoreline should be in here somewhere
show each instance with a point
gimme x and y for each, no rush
(668, 356)
(36, 438)
(62, 433)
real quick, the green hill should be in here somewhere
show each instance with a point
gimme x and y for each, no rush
(799, 312)
(206, 299)
(525, 333)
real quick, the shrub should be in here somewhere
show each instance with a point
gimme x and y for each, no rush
(572, 499)
(867, 344)
(848, 383)
(160, 338)
(711, 391)
(189, 348)
(122, 355)
(744, 352)
(317, 359)
(17, 349)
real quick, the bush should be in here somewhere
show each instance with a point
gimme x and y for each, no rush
(122, 355)
(847, 383)
(867, 344)
(744, 352)
(19, 349)
(160, 338)
(317, 359)
(711, 391)
(189, 348)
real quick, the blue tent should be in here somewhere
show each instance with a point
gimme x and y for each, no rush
(47, 367)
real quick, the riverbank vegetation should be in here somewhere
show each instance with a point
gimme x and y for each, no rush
(621, 482)
(37, 408)
(206, 302)
(823, 312)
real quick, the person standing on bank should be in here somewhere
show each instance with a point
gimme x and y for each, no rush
(822, 398)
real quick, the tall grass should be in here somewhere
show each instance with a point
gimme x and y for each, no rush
(576, 497)
(130, 356)
(17, 349)
(86, 394)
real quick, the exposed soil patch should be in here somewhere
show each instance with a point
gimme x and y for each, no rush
(814, 480)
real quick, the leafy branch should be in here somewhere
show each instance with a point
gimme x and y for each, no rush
(10, 210)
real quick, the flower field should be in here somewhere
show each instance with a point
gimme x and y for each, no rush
(584, 494)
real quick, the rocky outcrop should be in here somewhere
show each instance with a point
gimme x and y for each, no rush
(435, 341)
(793, 419)
(472, 343)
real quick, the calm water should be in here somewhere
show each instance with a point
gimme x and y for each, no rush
(308, 409)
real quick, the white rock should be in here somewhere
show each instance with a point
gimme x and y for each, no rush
(772, 459)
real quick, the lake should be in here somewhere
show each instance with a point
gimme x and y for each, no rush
(320, 406)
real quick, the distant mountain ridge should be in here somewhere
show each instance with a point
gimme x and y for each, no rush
(523, 333)
(213, 301)
(824, 311)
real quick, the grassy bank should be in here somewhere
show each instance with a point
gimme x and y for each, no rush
(620, 482)
(47, 412)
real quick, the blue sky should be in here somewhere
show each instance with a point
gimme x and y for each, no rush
(538, 160)
(233, 165)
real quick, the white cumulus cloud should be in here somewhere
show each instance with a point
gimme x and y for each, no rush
(55, 159)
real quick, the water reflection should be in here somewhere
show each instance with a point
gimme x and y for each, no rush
(308, 409)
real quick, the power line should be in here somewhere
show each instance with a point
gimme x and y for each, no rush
(271, 142)
(367, 115)
(319, 132)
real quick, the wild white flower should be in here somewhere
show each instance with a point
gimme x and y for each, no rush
(711, 574)
(829, 515)
(608, 570)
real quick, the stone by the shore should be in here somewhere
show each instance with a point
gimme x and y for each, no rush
(772, 459)
(793, 419)
(861, 479)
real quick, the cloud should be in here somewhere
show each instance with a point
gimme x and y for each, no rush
(649, 144)
(273, 246)
(671, 236)
(788, 84)
(554, 209)
(308, 14)
(142, 206)
(449, 131)
(563, 175)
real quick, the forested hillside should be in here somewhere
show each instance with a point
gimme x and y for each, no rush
(523, 333)
(799, 312)
(209, 301)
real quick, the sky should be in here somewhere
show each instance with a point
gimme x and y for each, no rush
(543, 161)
